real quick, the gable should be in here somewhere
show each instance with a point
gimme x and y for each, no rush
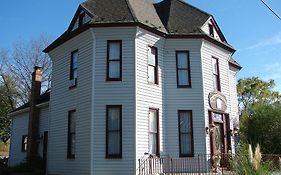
(81, 17)
(217, 34)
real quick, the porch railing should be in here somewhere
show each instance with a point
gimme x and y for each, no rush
(201, 164)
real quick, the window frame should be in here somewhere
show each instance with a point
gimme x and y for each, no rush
(157, 134)
(218, 74)
(211, 30)
(108, 61)
(119, 155)
(69, 134)
(191, 134)
(188, 69)
(155, 67)
(72, 69)
(81, 19)
(23, 148)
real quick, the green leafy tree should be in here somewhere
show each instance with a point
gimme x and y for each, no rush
(253, 90)
(8, 95)
(260, 117)
(262, 125)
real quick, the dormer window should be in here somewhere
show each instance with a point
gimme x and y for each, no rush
(211, 30)
(81, 19)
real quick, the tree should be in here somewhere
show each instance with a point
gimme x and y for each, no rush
(20, 62)
(8, 95)
(15, 77)
(253, 90)
(260, 118)
(262, 125)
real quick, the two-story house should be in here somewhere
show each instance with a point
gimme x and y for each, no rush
(132, 77)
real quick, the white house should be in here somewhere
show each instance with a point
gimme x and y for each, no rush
(131, 77)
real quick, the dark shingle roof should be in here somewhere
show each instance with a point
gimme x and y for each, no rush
(109, 11)
(42, 99)
(181, 18)
(166, 18)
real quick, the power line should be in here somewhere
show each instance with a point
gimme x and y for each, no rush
(271, 9)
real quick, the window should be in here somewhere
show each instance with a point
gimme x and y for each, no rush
(183, 69)
(211, 30)
(24, 143)
(114, 131)
(114, 60)
(152, 65)
(71, 134)
(216, 74)
(185, 133)
(153, 132)
(81, 19)
(73, 68)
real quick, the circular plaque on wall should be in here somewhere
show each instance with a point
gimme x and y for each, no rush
(217, 101)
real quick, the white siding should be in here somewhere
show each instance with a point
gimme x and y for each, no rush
(227, 86)
(64, 99)
(43, 126)
(19, 127)
(183, 98)
(114, 93)
(234, 115)
(148, 95)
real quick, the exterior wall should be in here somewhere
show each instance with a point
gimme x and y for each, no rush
(227, 83)
(113, 93)
(148, 95)
(183, 98)
(19, 127)
(64, 99)
(234, 114)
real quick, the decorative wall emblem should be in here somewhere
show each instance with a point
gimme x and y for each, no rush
(217, 101)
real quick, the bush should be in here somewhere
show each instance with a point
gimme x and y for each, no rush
(251, 163)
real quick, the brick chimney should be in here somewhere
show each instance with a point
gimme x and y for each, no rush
(33, 123)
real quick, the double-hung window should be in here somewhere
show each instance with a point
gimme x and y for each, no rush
(152, 65)
(153, 132)
(183, 69)
(113, 131)
(216, 74)
(185, 133)
(71, 134)
(73, 69)
(114, 60)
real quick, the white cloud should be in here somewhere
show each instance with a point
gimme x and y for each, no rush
(273, 71)
(275, 40)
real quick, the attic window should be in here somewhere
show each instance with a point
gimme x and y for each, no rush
(211, 30)
(81, 19)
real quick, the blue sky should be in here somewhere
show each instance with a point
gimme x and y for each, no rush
(247, 25)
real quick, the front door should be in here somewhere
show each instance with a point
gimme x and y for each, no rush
(219, 145)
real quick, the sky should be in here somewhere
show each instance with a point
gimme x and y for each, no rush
(247, 25)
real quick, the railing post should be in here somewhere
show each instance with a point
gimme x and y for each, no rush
(198, 158)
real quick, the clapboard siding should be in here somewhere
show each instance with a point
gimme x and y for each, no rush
(148, 95)
(183, 98)
(233, 100)
(208, 51)
(114, 93)
(64, 99)
(19, 127)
